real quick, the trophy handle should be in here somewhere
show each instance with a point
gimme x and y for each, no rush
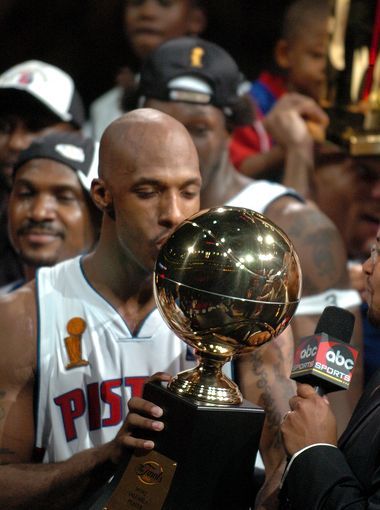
(206, 383)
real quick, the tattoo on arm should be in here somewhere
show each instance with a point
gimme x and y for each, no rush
(267, 401)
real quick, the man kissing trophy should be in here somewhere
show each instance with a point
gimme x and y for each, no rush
(227, 281)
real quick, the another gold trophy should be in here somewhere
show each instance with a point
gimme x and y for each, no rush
(227, 281)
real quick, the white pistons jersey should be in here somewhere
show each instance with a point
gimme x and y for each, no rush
(89, 363)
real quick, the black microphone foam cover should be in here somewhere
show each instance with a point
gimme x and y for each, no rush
(337, 323)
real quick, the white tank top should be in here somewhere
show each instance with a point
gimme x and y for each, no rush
(260, 194)
(82, 393)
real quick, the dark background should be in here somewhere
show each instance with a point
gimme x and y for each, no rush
(85, 37)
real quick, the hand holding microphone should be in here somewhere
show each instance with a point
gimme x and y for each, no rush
(325, 362)
(310, 421)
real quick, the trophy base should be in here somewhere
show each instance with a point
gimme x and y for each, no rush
(215, 390)
(203, 460)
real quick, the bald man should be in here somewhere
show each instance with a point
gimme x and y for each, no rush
(82, 338)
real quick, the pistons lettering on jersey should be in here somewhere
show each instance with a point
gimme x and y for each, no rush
(102, 402)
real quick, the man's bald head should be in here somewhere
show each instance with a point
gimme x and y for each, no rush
(149, 183)
(141, 135)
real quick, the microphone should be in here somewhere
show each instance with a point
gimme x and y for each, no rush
(326, 360)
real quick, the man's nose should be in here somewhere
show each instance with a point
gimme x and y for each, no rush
(42, 208)
(171, 213)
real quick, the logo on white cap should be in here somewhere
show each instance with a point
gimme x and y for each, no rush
(71, 152)
(47, 83)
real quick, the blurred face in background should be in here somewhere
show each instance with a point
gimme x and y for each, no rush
(207, 127)
(348, 191)
(304, 58)
(17, 131)
(148, 23)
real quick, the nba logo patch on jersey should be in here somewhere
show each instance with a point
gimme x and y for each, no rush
(75, 328)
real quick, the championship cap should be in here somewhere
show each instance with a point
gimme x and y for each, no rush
(192, 70)
(69, 148)
(49, 86)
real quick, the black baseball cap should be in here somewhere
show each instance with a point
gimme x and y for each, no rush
(193, 70)
(69, 148)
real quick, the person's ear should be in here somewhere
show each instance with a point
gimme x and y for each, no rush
(281, 53)
(102, 197)
(197, 21)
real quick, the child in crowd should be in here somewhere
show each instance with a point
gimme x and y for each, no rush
(299, 65)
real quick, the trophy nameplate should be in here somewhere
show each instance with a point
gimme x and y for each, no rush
(144, 484)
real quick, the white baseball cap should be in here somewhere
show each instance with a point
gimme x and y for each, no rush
(49, 85)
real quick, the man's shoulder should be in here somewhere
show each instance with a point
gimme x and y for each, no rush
(18, 319)
(261, 194)
(62, 269)
(11, 287)
(24, 296)
(317, 241)
(289, 211)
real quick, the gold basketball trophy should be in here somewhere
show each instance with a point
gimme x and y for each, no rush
(227, 281)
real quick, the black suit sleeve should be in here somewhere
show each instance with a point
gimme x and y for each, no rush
(321, 479)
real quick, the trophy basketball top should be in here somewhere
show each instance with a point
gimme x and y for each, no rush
(227, 280)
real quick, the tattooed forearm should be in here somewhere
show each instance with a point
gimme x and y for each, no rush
(265, 383)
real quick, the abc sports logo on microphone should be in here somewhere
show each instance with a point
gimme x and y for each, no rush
(320, 357)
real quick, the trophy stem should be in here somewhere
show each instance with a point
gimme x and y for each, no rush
(207, 383)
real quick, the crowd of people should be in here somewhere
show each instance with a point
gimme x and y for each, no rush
(86, 203)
